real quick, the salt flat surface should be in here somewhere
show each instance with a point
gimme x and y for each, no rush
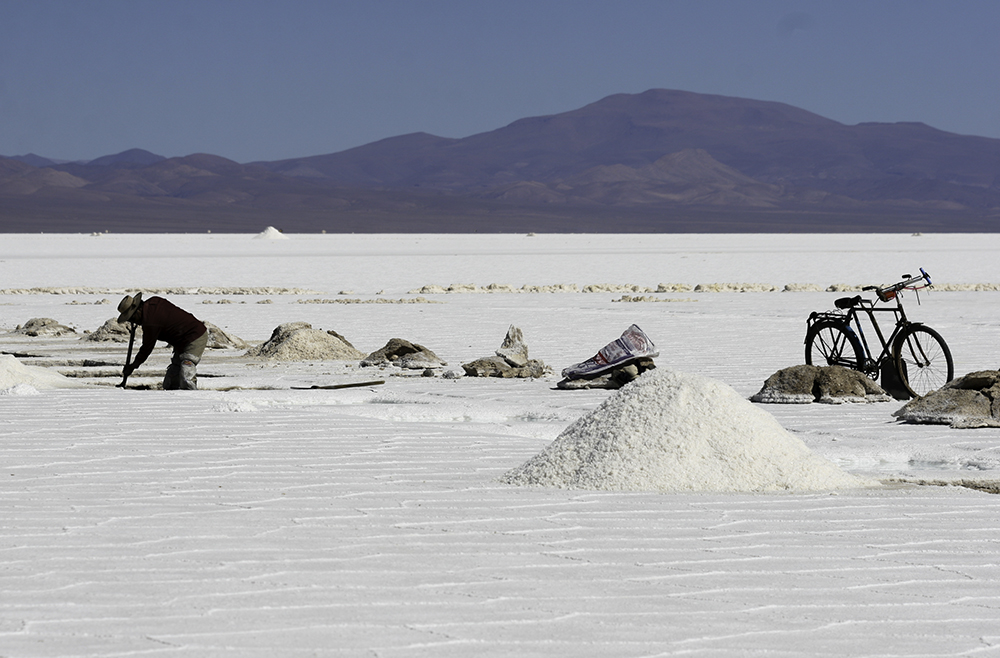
(249, 519)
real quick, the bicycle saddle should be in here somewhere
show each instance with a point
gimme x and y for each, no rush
(847, 302)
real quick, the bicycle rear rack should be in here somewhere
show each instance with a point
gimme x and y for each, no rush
(833, 316)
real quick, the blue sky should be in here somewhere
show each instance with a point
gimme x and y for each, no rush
(266, 80)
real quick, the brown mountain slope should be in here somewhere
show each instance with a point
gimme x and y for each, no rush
(769, 142)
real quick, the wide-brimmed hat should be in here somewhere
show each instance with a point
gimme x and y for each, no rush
(128, 306)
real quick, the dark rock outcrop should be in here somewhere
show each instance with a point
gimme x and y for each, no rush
(404, 354)
(805, 384)
(510, 360)
(966, 402)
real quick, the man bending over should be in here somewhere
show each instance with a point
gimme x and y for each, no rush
(161, 320)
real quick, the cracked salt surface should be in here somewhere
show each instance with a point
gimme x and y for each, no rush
(255, 520)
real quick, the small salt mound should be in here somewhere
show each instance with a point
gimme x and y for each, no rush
(13, 372)
(672, 432)
(270, 233)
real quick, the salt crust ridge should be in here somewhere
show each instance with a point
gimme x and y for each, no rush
(498, 288)
(76, 290)
(377, 300)
(673, 432)
(647, 298)
(469, 288)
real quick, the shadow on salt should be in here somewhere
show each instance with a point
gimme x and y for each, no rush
(674, 432)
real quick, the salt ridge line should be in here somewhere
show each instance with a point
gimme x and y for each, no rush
(377, 300)
(469, 288)
(501, 288)
(239, 290)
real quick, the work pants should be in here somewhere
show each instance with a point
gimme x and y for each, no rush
(181, 372)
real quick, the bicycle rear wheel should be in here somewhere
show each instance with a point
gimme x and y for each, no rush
(923, 360)
(834, 344)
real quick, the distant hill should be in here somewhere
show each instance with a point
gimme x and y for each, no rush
(663, 161)
(129, 158)
(34, 160)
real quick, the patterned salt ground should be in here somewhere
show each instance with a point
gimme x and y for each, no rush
(372, 522)
(262, 525)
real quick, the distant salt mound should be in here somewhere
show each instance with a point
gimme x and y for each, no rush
(674, 432)
(14, 373)
(270, 233)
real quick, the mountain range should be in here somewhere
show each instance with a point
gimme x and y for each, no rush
(659, 161)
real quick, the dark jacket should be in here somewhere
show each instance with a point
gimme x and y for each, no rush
(161, 320)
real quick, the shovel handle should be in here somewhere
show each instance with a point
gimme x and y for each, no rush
(128, 359)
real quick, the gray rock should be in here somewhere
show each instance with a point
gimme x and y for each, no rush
(513, 350)
(967, 402)
(511, 361)
(805, 384)
(495, 366)
(403, 354)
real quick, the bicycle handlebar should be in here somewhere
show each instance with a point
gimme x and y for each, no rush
(886, 293)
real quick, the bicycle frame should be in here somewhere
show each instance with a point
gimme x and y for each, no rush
(869, 309)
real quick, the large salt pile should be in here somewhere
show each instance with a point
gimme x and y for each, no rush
(13, 373)
(672, 432)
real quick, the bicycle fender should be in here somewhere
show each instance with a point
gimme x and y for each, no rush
(902, 332)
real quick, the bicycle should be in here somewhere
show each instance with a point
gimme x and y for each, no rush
(914, 355)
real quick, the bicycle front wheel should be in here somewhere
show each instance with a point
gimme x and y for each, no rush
(923, 360)
(833, 344)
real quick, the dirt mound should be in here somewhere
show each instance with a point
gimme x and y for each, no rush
(298, 341)
(37, 327)
(220, 339)
(112, 331)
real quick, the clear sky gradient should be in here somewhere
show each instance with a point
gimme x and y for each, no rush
(267, 80)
